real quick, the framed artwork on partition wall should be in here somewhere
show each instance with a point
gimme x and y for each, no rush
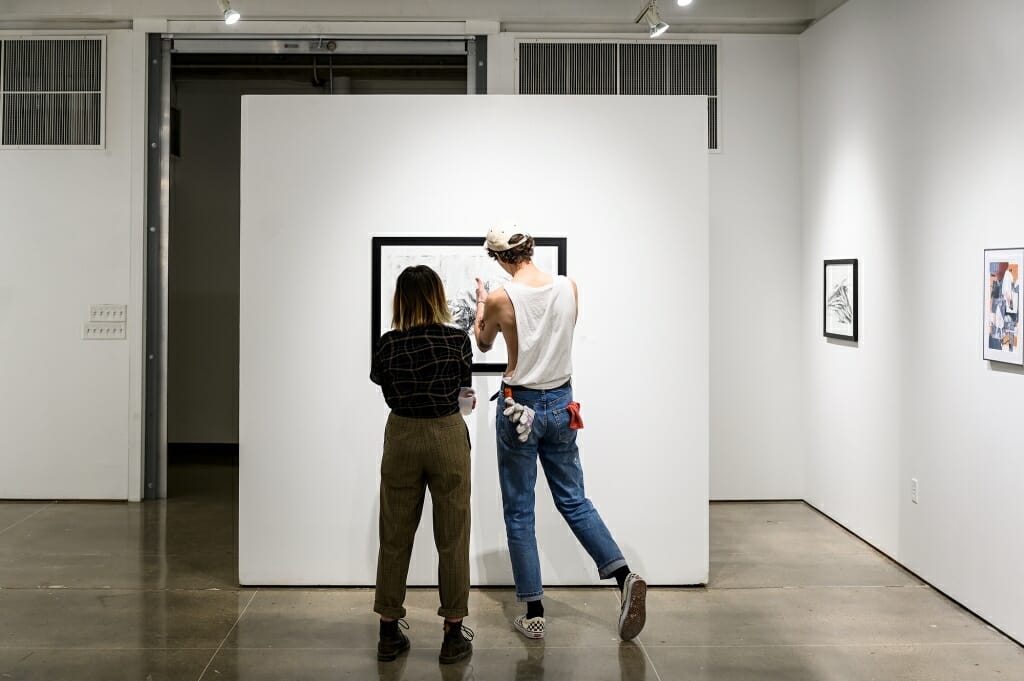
(1002, 305)
(458, 261)
(840, 308)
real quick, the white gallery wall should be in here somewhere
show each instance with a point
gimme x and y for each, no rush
(753, 200)
(912, 163)
(311, 427)
(755, 279)
(908, 113)
(757, 446)
(67, 429)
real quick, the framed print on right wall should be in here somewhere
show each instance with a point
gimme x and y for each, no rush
(1002, 332)
(840, 304)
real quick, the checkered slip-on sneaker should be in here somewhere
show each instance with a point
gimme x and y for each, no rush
(634, 607)
(529, 627)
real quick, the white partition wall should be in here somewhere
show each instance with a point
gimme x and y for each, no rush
(624, 179)
(912, 159)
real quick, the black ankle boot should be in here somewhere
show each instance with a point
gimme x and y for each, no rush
(456, 645)
(392, 641)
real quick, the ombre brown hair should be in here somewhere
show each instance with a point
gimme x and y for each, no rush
(419, 299)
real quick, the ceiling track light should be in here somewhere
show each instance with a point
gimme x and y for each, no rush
(231, 16)
(653, 19)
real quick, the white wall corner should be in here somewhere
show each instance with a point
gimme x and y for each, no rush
(149, 25)
(481, 27)
(141, 29)
(501, 64)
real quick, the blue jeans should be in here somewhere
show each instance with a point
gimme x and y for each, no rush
(555, 444)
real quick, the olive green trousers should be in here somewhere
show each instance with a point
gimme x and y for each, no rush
(422, 454)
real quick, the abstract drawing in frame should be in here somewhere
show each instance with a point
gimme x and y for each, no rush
(1002, 326)
(458, 261)
(840, 309)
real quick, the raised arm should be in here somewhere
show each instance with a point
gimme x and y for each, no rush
(486, 326)
(576, 296)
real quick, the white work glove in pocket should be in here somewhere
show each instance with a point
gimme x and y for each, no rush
(521, 417)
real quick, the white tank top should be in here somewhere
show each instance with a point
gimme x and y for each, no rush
(545, 321)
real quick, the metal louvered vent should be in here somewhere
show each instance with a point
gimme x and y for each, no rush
(622, 68)
(51, 92)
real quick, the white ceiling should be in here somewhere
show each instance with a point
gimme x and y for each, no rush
(607, 16)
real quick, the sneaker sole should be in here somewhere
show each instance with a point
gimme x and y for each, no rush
(632, 620)
(527, 633)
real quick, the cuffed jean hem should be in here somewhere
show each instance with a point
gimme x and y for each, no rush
(453, 613)
(608, 570)
(390, 613)
(526, 598)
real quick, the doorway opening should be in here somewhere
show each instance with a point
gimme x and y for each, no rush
(196, 86)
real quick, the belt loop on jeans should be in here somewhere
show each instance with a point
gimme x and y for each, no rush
(505, 386)
(501, 390)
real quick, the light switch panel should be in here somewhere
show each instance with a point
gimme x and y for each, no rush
(103, 331)
(108, 313)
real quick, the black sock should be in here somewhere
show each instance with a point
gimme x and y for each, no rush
(534, 609)
(388, 628)
(620, 575)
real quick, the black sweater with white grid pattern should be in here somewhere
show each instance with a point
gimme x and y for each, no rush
(420, 370)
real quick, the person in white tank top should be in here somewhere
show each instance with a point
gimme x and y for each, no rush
(536, 313)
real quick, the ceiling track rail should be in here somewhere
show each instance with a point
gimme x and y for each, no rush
(322, 45)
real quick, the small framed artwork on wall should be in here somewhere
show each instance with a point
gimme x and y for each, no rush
(1002, 335)
(840, 308)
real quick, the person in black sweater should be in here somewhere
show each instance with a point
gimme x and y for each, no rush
(421, 366)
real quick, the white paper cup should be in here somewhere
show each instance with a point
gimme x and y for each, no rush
(466, 398)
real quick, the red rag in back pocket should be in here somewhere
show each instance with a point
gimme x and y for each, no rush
(575, 420)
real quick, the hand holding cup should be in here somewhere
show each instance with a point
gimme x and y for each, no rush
(467, 401)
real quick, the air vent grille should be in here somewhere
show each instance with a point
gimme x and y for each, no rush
(623, 68)
(51, 92)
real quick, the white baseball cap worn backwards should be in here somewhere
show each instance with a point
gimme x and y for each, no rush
(499, 238)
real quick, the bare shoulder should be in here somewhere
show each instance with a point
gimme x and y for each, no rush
(498, 298)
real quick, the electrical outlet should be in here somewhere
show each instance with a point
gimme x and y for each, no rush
(103, 331)
(913, 490)
(108, 313)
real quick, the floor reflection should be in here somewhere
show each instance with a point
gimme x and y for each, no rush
(632, 662)
(531, 667)
(115, 591)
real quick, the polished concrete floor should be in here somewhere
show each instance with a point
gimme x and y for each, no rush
(148, 592)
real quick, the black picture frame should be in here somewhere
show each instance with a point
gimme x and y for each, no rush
(840, 300)
(474, 246)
